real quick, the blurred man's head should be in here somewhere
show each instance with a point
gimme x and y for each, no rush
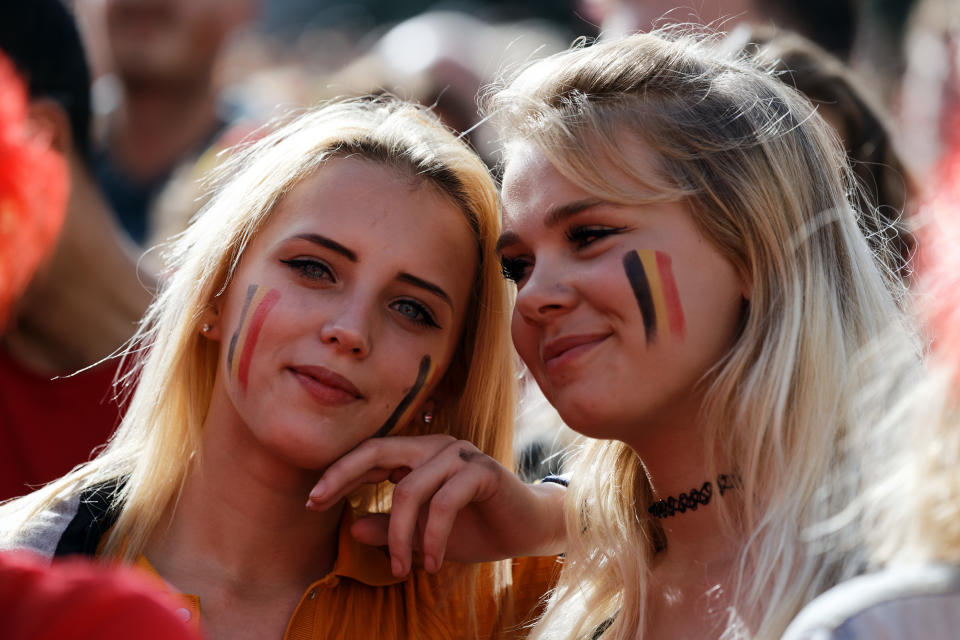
(171, 41)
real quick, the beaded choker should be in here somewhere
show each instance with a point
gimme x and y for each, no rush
(696, 497)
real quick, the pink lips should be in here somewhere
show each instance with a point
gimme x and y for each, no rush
(326, 386)
(559, 351)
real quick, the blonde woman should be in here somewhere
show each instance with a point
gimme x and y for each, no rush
(341, 285)
(693, 297)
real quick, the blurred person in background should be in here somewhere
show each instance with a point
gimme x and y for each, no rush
(75, 601)
(829, 23)
(167, 107)
(85, 301)
(442, 59)
(887, 187)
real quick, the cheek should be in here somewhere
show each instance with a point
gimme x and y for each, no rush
(258, 302)
(524, 339)
(650, 276)
(403, 412)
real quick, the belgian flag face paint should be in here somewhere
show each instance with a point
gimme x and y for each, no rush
(261, 300)
(404, 410)
(651, 278)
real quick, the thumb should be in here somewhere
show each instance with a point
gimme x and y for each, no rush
(371, 530)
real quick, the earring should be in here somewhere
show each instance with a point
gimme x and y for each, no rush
(427, 417)
(206, 327)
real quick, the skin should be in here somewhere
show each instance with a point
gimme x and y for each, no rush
(580, 331)
(240, 537)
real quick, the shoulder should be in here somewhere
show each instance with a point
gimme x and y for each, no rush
(38, 532)
(70, 523)
(896, 603)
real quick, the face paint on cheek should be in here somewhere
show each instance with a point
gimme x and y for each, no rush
(261, 300)
(401, 414)
(651, 277)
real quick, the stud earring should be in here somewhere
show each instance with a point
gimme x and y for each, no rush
(206, 327)
(427, 417)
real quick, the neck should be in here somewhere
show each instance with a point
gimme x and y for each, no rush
(157, 123)
(677, 462)
(241, 524)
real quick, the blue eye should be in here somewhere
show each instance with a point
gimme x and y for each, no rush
(310, 268)
(415, 312)
(514, 269)
(587, 235)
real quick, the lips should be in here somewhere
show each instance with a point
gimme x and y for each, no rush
(563, 349)
(327, 386)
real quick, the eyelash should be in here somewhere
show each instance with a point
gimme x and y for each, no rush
(585, 236)
(423, 316)
(308, 268)
(513, 269)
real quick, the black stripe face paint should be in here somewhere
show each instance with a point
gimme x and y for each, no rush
(252, 289)
(408, 399)
(641, 291)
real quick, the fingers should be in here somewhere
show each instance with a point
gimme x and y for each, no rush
(368, 462)
(434, 496)
(458, 492)
(371, 530)
(371, 476)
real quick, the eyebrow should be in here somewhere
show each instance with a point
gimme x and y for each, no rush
(424, 284)
(558, 214)
(333, 245)
(554, 216)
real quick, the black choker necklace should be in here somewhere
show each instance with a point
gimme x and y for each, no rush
(672, 506)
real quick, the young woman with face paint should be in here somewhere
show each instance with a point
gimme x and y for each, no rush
(694, 297)
(341, 286)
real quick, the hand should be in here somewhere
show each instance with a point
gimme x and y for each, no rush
(451, 501)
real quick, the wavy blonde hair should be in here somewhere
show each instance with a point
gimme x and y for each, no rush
(768, 185)
(174, 367)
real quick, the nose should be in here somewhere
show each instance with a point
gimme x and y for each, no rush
(546, 294)
(348, 331)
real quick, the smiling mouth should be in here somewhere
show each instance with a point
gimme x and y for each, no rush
(560, 351)
(326, 386)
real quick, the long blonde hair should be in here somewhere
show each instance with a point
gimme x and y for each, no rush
(174, 367)
(767, 184)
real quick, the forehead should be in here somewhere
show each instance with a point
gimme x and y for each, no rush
(532, 185)
(383, 214)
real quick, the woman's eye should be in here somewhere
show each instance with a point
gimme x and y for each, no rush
(514, 268)
(416, 312)
(310, 268)
(585, 236)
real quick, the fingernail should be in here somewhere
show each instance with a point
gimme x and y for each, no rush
(430, 564)
(319, 491)
(396, 566)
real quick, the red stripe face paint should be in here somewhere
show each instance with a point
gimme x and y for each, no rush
(261, 300)
(671, 296)
(651, 278)
(401, 414)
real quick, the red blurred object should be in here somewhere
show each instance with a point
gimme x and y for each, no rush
(78, 600)
(33, 191)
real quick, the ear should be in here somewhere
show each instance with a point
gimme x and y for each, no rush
(49, 119)
(210, 326)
